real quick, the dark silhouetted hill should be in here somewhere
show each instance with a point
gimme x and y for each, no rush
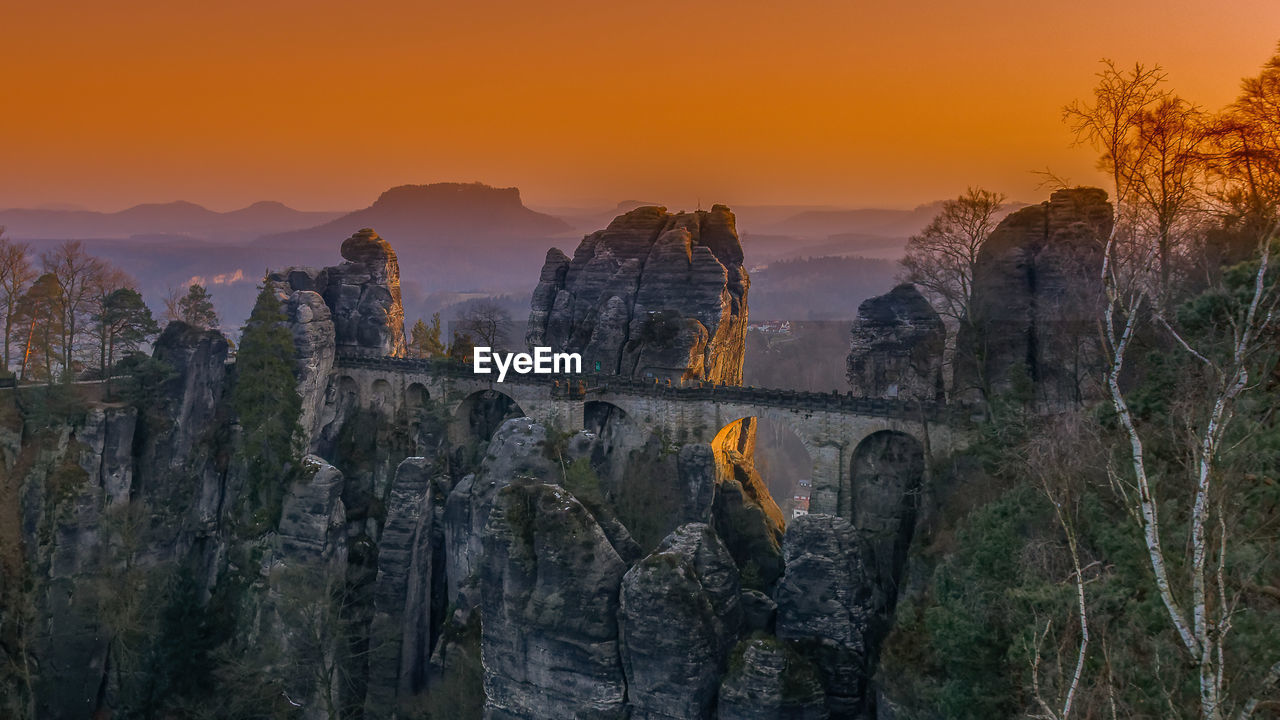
(153, 220)
(435, 217)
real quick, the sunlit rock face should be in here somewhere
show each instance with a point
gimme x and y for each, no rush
(654, 295)
(896, 347)
(364, 293)
(353, 308)
(1032, 328)
(743, 512)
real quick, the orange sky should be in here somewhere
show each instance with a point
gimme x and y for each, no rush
(323, 104)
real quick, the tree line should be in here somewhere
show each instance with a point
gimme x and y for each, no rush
(1154, 593)
(67, 314)
(483, 323)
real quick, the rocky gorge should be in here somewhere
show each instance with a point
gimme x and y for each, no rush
(448, 557)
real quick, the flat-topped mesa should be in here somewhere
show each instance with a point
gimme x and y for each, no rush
(655, 295)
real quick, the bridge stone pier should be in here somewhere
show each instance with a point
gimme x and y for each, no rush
(852, 442)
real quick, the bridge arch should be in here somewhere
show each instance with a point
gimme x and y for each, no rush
(381, 397)
(599, 415)
(416, 397)
(882, 496)
(346, 391)
(479, 415)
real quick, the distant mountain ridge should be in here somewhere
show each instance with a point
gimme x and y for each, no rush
(425, 217)
(179, 218)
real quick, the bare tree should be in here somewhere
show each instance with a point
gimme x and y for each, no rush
(172, 312)
(1166, 169)
(16, 273)
(941, 261)
(1245, 144)
(1054, 459)
(77, 274)
(942, 258)
(102, 285)
(487, 322)
(1191, 586)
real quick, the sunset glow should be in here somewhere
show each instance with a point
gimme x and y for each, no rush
(325, 104)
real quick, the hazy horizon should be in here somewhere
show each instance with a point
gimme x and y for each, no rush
(547, 208)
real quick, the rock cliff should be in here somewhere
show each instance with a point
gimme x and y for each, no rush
(362, 295)
(655, 294)
(401, 629)
(897, 347)
(550, 588)
(1036, 295)
(525, 573)
(768, 680)
(824, 604)
(680, 613)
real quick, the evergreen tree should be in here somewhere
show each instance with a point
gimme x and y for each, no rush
(125, 322)
(424, 340)
(266, 400)
(196, 308)
(462, 346)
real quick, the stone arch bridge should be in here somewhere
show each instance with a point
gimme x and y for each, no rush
(834, 428)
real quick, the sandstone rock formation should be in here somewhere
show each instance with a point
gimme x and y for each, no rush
(769, 681)
(680, 615)
(313, 517)
(190, 397)
(179, 472)
(887, 471)
(653, 295)
(696, 470)
(305, 565)
(526, 546)
(824, 602)
(514, 452)
(743, 512)
(897, 347)
(353, 308)
(58, 524)
(550, 600)
(363, 295)
(1036, 295)
(401, 626)
(759, 611)
(313, 337)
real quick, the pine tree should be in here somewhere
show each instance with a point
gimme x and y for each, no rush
(124, 322)
(424, 340)
(196, 308)
(266, 400)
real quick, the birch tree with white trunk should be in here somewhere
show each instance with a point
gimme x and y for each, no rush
(1189, 575)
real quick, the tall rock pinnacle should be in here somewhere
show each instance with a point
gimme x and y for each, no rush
(654, 295)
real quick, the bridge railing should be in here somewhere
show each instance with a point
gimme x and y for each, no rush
(580, 386)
